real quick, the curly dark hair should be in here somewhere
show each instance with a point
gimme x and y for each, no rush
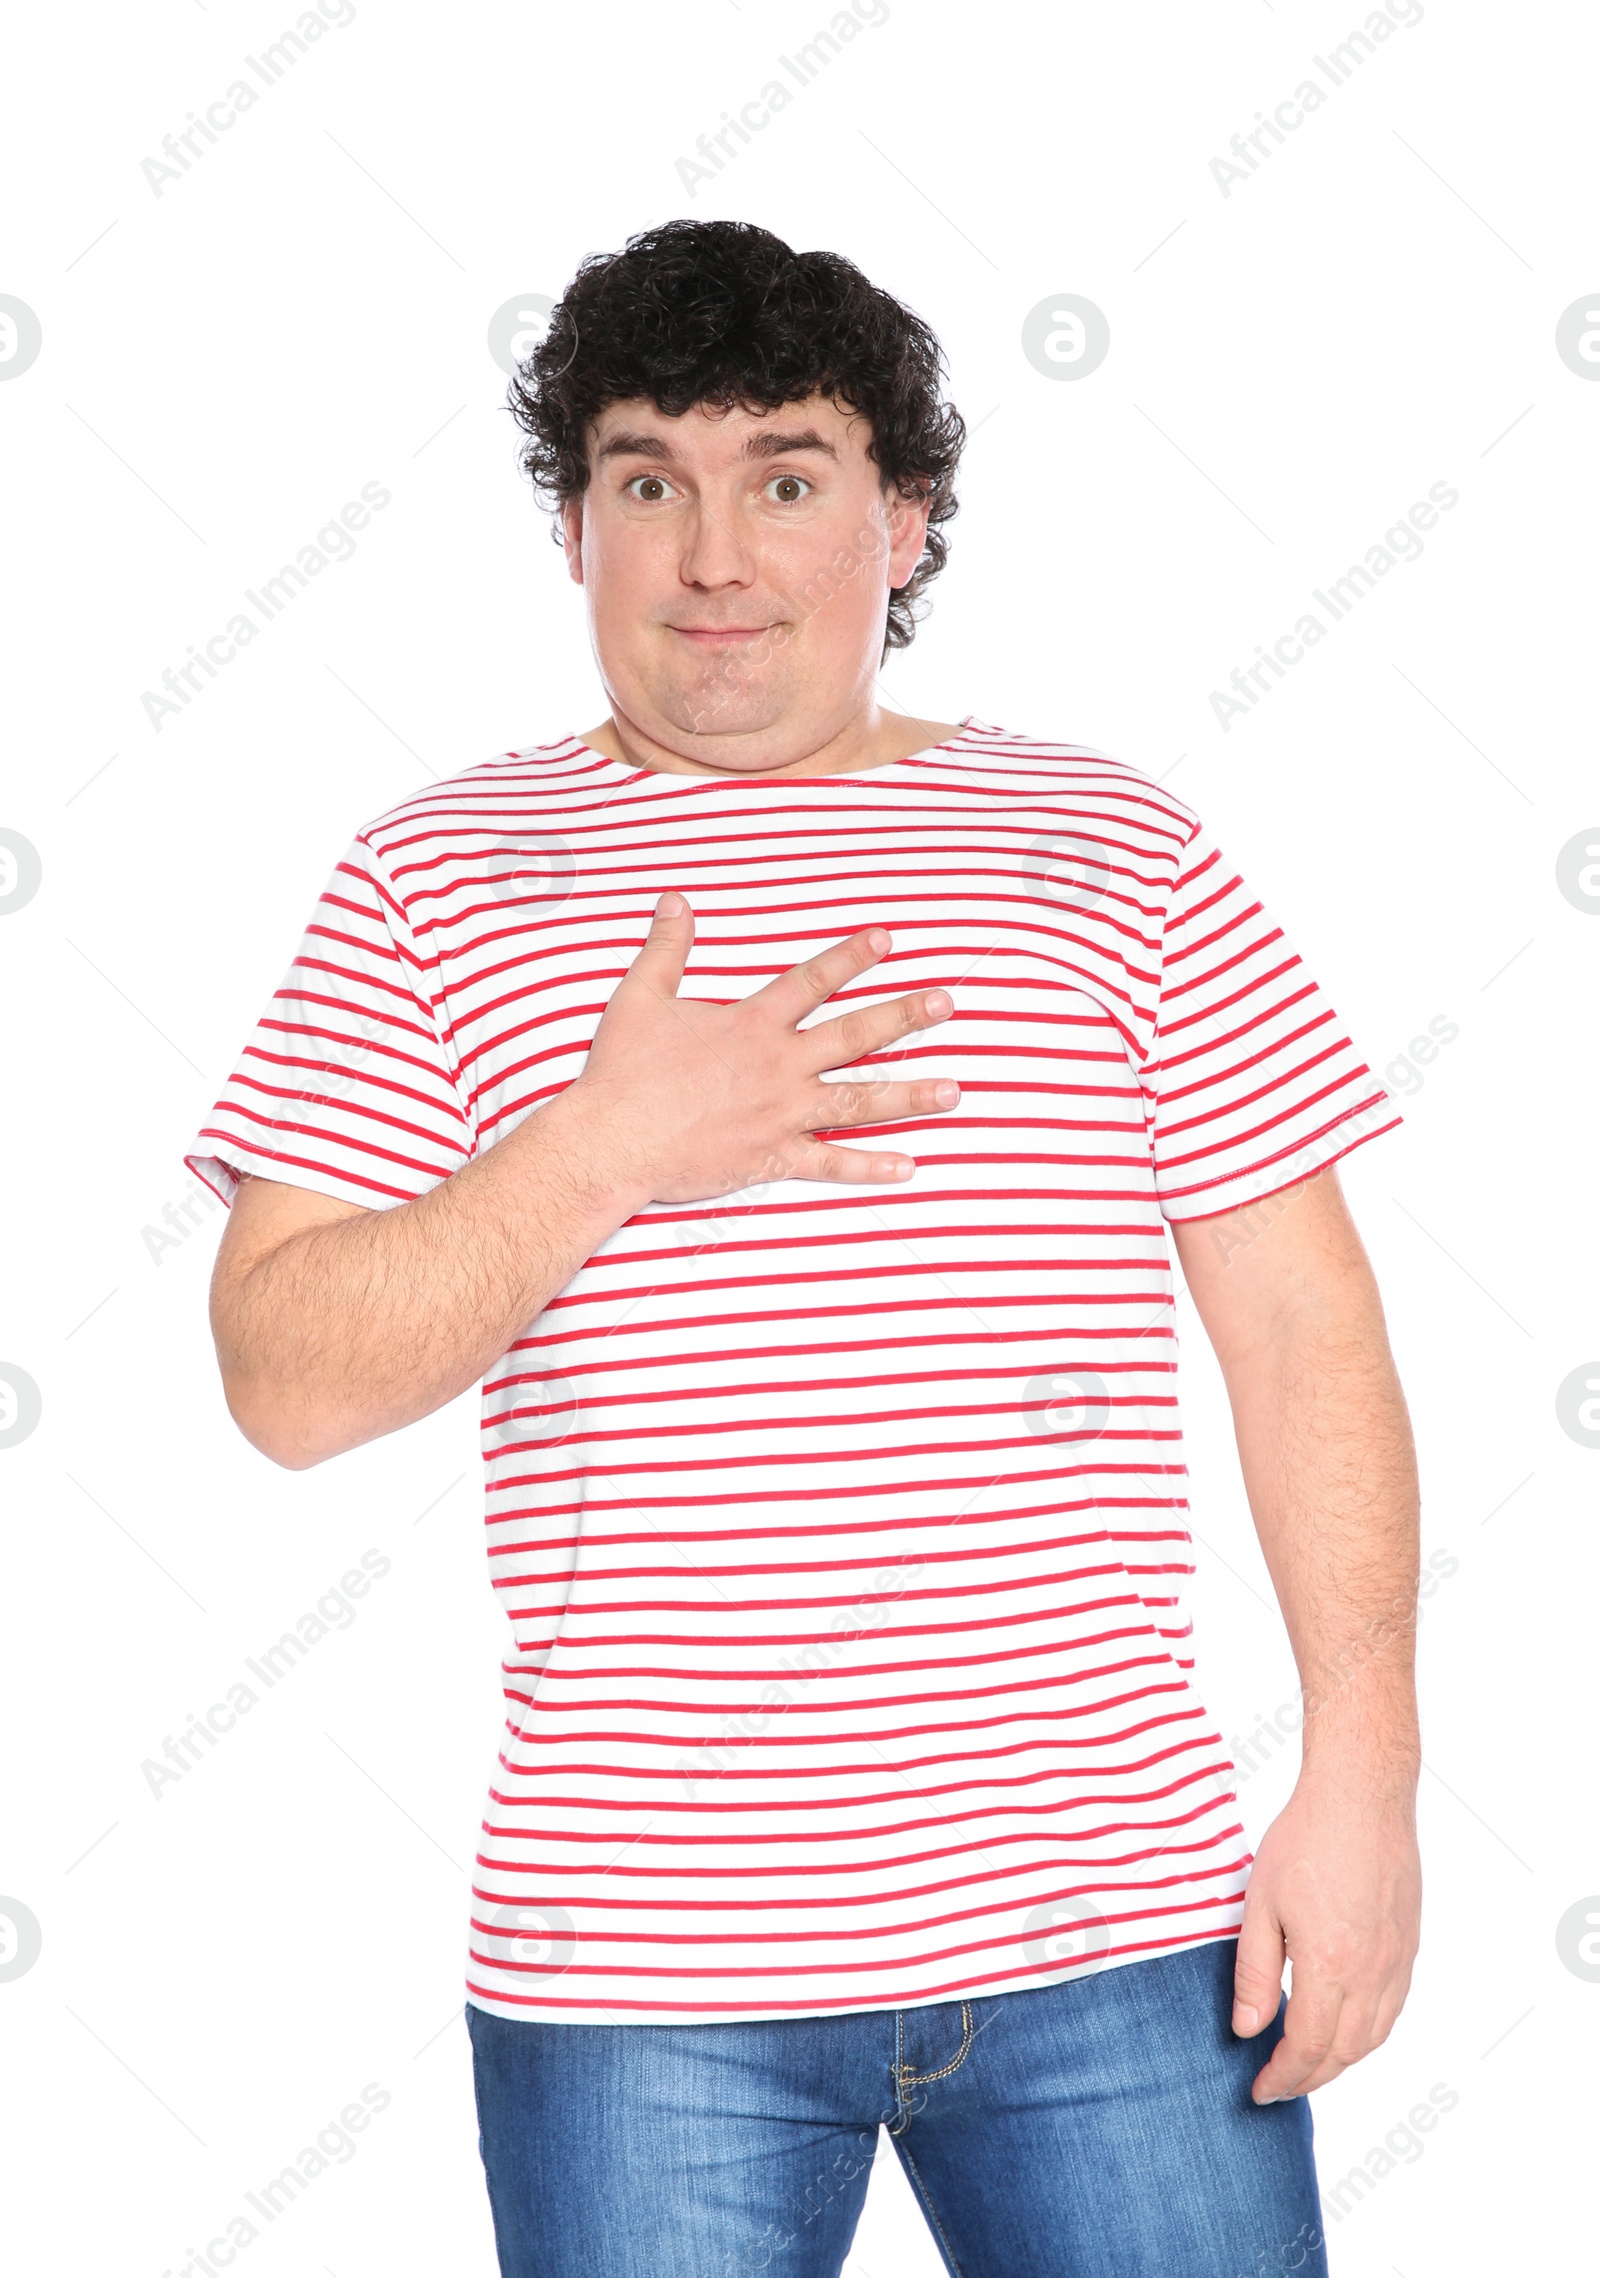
(722, 312)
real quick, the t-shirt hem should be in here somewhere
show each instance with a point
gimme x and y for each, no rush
(666, 2012)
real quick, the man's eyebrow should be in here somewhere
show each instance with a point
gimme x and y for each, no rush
(767, 443)
(628, 443)
(771, 444)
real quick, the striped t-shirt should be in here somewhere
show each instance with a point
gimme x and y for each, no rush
(840, 1530)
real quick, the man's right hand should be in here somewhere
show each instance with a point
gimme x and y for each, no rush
(335, 1324)
(685, 1100)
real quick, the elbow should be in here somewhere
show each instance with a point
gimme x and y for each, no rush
(287, 1441)
(275, 1413)
(290, 1457)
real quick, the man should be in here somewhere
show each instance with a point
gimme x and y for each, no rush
(780, 1104)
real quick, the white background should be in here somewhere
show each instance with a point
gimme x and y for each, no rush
(305, 310)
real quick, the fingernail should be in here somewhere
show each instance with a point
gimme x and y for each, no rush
(1246, 2021)
(669, 905)
(940, 1005)
(947, 1093)
(877, 941)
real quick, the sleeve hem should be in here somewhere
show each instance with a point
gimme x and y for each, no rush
(1274, 1173)
(219, 1164)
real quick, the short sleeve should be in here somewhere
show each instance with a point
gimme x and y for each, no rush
(1252, 1082)
(346, 1086)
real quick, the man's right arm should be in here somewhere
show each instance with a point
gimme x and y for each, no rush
(335, 1324)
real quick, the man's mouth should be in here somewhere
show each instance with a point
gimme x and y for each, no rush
(719, 636)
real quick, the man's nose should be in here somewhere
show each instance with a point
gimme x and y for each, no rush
(716, 553)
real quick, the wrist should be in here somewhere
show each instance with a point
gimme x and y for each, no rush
(579, 1142)
(1379, 1766)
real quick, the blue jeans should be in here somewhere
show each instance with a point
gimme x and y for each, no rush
(1098, 2129)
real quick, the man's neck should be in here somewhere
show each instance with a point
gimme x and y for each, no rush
(874, 738)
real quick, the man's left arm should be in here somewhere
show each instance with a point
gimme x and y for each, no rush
(1288, 1299)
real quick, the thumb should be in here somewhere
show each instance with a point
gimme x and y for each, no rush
(1257, 1969)
(665, 953)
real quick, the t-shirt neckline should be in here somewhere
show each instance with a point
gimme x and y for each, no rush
(623, 770)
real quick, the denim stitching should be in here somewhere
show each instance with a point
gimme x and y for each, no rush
(905, 2072)
(928, 2206)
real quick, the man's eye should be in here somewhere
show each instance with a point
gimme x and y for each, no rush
(788, 489)
(654, 488)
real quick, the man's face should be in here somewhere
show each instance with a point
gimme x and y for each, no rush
(738, 568)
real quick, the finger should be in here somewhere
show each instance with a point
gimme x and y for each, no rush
(1257, 1968)
(1319, 2076)
(839, 1043)
(665, 951)
(1391, 2000)
(803, 987)
(1305, 2057)
(838, 1107)
(1364, 2024)
(849, 1166)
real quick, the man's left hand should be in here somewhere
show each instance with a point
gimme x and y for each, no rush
(1337, 1889)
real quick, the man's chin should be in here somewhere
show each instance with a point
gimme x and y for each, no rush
(716, 712)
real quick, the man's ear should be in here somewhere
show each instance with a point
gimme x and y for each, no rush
(906, 522)
(572, 538)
